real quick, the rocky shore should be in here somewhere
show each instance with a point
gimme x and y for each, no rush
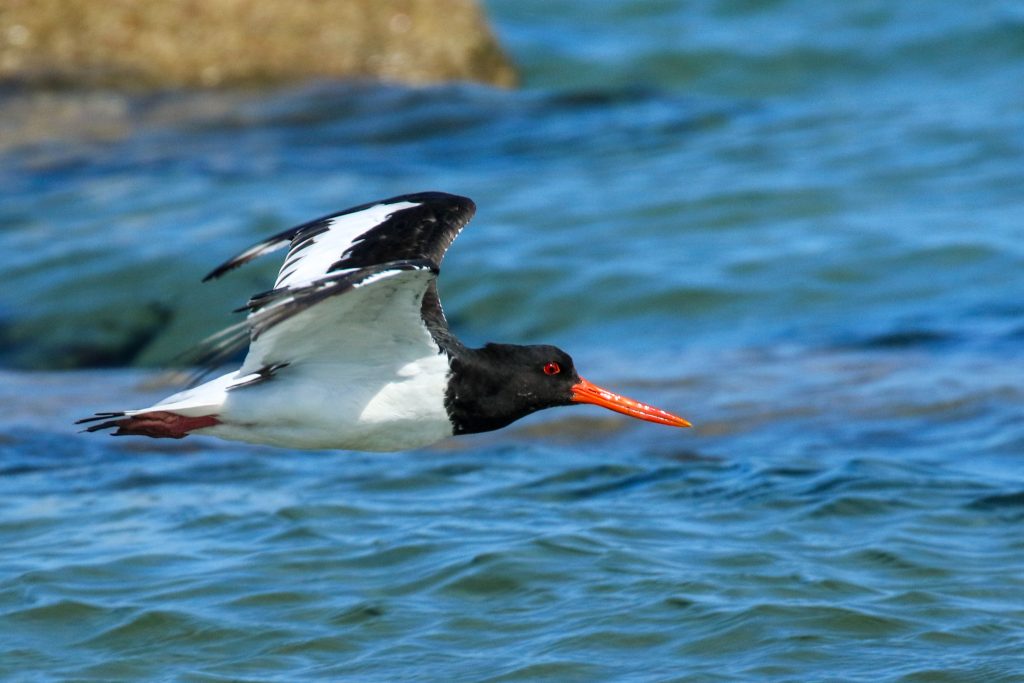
(143, 44)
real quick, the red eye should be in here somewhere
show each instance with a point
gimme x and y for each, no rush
(552, 369)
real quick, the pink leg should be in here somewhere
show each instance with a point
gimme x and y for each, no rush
(162, 424)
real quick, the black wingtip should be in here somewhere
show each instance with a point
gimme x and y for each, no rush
(460, 201)
(100, 416)
(109, 423)
(224, 268)
(228, 266)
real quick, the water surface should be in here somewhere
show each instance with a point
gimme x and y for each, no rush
(797, 224)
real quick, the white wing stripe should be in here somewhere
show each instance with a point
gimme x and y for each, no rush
(314, 260)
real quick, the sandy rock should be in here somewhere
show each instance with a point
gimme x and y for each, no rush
(208, 43)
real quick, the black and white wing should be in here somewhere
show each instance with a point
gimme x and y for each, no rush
(352, 279)
(407, 227)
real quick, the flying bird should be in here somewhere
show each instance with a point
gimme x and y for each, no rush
(350, 348)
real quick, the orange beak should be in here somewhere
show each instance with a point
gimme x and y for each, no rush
(585, 392)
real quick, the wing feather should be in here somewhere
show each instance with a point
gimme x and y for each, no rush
(337, 255)
(351, 317)
(407, 227)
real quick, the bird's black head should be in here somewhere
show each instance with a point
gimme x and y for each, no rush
(500, 383)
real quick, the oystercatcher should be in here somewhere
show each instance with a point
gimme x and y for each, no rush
(351, 350)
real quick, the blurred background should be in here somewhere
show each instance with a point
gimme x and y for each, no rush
(798, 224)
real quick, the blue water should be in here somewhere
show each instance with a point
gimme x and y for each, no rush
(797, 224)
